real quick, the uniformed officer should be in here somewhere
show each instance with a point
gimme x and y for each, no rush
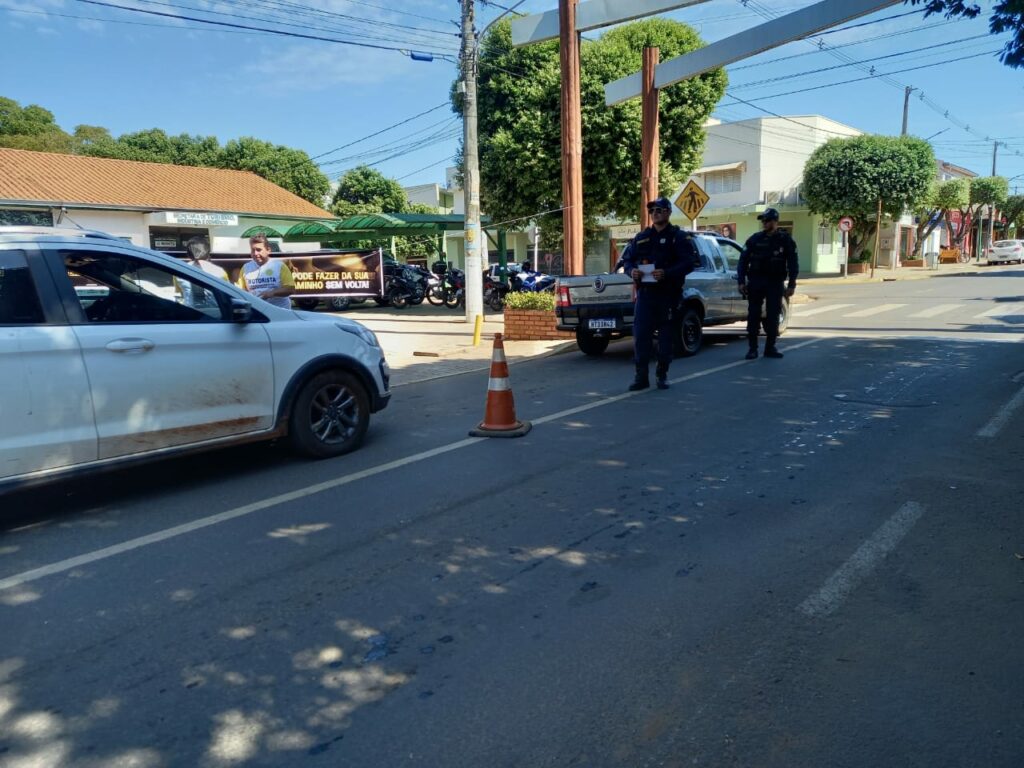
(768, 258)
(658, 259)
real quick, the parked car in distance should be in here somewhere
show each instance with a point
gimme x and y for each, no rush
(1006, 251)
(113, 354)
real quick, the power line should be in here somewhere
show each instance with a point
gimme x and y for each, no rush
(396, 144)
(382, 130)
(426, 167)
(126, 21)
(438, 54)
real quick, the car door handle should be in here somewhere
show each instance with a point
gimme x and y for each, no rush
(130, 346)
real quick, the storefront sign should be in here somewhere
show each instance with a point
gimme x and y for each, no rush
(355, 273)
(185, 219)
(623, 232)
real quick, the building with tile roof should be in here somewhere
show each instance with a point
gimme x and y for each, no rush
(155, 205)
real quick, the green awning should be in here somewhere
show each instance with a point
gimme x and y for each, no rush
(261, 230)
(373, 226)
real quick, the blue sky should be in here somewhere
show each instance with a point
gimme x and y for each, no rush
(160, 71)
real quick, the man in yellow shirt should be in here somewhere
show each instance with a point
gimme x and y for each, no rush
(271, 281)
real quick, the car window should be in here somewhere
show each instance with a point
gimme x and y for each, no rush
(117, 288)
(19, 301)
(707, 263)
(731, 252)
(717, 257)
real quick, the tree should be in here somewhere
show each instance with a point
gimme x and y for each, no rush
(987, 192)
(520, 137)
(1007, 16)
(942, 197)
(366, 190)
(1013, 210)
(286, 167)
(30, 127)
(848, 177)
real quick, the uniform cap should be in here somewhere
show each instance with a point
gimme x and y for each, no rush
(660, 202)
(769, 214)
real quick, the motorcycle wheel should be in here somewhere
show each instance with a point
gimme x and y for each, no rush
(435, 296)
(496, 302)
(398, 299)
(452, 299)
(416, 300)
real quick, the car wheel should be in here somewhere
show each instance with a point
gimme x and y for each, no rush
(689, 333)
(340, 303)
(307, 304)
(330, 415)
(784, 316)
(590, 344)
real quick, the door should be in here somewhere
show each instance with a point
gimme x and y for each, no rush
(715, 281)
(731, 253)
(46, 416)
(166, 366)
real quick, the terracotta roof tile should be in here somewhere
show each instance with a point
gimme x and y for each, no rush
(48, 178)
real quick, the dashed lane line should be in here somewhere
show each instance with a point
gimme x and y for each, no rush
(63, 566)
(862, 562)
(997, 422)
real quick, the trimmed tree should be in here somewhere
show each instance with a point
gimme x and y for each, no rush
(942, 197)
(520, 136)
(986, 190)
(850, 177)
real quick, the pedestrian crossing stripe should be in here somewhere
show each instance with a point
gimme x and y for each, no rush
(819, 310)
(874, 310)
(1002, 310)
(939, 310)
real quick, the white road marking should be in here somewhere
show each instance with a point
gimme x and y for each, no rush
(933, 311)
(1002, 416)
(874, 310)
(862, 562)
(1001, 310)
(62, 566)
(818, 310)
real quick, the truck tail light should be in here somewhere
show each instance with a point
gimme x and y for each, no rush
(563, 297)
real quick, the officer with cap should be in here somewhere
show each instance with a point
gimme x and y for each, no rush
(658, 259)
(768, 258)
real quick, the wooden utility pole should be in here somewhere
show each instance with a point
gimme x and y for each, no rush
(572, 140)
(649, 152)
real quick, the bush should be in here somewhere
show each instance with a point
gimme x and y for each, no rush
(529, 300)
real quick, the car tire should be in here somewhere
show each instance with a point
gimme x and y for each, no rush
(330, 415)
(307, 304)
(784, 316)
(688, 333)
(589, 344)
(339, 303)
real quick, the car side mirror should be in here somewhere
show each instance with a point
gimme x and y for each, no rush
(241, 311)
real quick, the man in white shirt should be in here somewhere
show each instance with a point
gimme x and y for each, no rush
(271, 281)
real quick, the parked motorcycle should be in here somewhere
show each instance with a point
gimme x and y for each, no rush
(455, 293)
(534, 282)
(400, 291)
(494, 293)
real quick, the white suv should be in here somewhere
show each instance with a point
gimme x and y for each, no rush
(110, 353)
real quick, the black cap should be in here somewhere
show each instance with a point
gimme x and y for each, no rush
(660, 202)
(769, 214)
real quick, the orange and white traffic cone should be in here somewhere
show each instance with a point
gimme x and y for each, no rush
(500, 412)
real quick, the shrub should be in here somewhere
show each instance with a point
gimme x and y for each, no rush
(529, 300)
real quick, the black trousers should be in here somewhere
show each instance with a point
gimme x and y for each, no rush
(653, 311)
(769, 294)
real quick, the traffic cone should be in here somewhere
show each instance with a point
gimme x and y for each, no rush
(500, 412)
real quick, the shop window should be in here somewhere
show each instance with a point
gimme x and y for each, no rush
(16, 218)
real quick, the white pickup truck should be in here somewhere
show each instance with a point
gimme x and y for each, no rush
(599, 308)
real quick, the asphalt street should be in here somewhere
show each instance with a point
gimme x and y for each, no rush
(814, 561)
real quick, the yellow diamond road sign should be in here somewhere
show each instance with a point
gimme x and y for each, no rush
(692, 200)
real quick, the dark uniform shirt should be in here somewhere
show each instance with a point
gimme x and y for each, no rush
(768, 258)
(671, 249)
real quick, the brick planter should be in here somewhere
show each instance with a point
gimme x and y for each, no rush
(532, 325)
(912, 263)
(858, 267)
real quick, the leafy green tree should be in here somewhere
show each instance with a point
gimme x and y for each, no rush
(284, 166)
(942, 197)
(1013, 210)
(30, 127)
(1007, 16)
(987, 192)
(366, 190)
(849, 176)
(520, 136)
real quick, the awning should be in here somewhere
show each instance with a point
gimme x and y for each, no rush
(740, 166)
(261, 230)
(368, 226)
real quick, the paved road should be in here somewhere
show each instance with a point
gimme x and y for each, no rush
(806, 562)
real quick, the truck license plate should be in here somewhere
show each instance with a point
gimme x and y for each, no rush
(601, 324)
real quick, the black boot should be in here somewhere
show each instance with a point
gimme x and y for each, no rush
(640, 381)
(770, 350)
(752, 352)
(661, 377)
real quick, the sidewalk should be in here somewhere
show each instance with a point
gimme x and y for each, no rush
(427, 342)
(885, 274)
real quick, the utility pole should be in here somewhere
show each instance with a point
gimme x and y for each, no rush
(649, 149)
(992, 207)
(572, 140)
(471, 168)
(906, 107)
